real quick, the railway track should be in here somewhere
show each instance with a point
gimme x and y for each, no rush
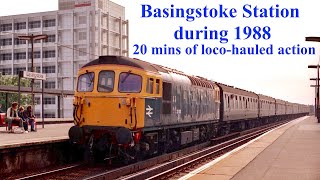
(48, 174)
(174, 168)
(161, 167)
(158, 168)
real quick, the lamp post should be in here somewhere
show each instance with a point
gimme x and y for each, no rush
(32, 38)
(62, 89)
(316, 89)
(316, 39)
(316, 104)
(315, 97)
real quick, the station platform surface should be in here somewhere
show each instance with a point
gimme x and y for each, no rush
(50, 133)
(291, 151)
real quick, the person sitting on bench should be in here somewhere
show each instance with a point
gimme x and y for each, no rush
(24, 120)
(28, 114)
(12, 115)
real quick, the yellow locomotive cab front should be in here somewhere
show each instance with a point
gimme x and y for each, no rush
(109, 97)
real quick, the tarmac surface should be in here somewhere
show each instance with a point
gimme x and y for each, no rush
(289, 152)
(50, 133)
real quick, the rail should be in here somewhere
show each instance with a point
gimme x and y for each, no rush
(162, 166)
(159, 167)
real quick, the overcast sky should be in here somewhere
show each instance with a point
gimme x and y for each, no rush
(285, 77)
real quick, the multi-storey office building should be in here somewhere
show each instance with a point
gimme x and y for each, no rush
(77, 33)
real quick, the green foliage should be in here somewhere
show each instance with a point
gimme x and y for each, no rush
(9, 80)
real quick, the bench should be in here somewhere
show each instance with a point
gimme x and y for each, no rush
(17, 123)
(2, 119)
(14, 123)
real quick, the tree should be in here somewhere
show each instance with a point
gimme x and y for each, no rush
(9, 80)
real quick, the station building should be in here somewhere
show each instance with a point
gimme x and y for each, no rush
(79, 31)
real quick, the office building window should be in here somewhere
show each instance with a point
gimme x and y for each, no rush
(6, 71)
(49, 69)
(49, 23)
(6, 27)
(36, 83)
(51, 38)
(19, 41)
(49, 100)
(37, 41)
(49, 115)
(34, 24)
(82, 51)
(7, 56)
(37, 100)
(82, 19)
(6, 42)
(19, 26)
(82, 36)
(17, 70)
(18, 56)
(50, 54)
(50, 85)
(36, 69)
(36, 54)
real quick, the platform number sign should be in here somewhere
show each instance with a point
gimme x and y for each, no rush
(152, 109)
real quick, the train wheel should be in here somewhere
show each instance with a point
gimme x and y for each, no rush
(128, 155)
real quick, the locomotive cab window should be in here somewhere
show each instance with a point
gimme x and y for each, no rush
(106, 81)
(150, 85)
(129, 83)
(85, 82)
(157, 86)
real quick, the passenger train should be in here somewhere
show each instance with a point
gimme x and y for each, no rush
(127, 108)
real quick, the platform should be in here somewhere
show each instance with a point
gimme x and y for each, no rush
(289, 152)
(50, 133)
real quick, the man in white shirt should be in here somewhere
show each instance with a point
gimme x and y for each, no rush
(12, 115)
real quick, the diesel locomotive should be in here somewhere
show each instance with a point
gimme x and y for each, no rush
(127, 108)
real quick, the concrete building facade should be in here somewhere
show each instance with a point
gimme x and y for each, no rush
(79, 31)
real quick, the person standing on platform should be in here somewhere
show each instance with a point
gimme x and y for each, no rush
(12, 115)
(30, 117)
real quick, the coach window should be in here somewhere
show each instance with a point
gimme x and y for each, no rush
(244, 103)
(150, 86)
(217, 95)
(247, 103)
(236, 102)
(106, 81)
(157, 86)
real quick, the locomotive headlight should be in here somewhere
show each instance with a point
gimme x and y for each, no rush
(82, 100)
(128, 102)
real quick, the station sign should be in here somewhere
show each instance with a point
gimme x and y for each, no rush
(33, 75)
